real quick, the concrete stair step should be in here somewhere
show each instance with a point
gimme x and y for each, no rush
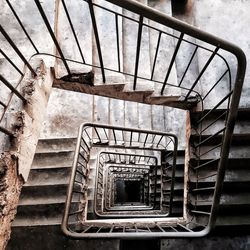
(237, 139)
(172, 101)
(49, 145)
(52, 159)
(42, 191)
(236, 175)
(242, 122)
(233, 220)
(48, 176)
(233, 164)
(243, 114)
(39, 214)
(54, 239)
(236, 151)
(43, 194)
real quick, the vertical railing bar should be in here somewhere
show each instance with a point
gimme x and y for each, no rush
(218, 118)
(8, 85)
(85, 130)
(111, 229)
(134, 159)
(114, 136)
(145, 140)
(136, 229)
(46, 21)
(138, 50)
(3, 104)
(160, 227)
(184, 227)
(105, 132)
(73, 30)
(172, 62)
(11, 62)
(215, 107)
(97, 134)
(139, 159)
(84, 149)
(117, 42)
(109, 157)
(156, 53)
(83, 156)
(190, 61)
(92, 14)
(22, 26)
(16, 50)
(82, 163)
(131, 138)
(215, 84)
(153, 138)
(168, 143)
(159, 141)
(87, 229)
(6, 131)
(202, 72)
(173, 228)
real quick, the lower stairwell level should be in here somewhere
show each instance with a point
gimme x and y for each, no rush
(43, 197)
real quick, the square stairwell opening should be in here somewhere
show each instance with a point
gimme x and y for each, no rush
(128, 191)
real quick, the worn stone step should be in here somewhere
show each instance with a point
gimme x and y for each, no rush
(43, 194)
(54, 240)
(237, 139)
(49, 145)
(233, 220)
(213, 152)
(243, 114)
(227, 199)
(236, 175)
(52, 159)
(48, 176)
(39, 214)
(233, 163)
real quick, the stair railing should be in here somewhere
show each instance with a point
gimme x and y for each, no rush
(118, 159)
(98, 135)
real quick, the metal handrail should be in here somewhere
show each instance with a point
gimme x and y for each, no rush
(136, 168)
(119, 159)
(99, 135)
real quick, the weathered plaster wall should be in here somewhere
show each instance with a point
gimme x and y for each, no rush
(228, 19)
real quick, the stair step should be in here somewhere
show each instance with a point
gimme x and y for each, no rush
(56, 145)
(53, 160)
(39, 214)
(237, 139)
(48, 176)
(50, 237)
(233, 164)
(236, 175)
(43, 191)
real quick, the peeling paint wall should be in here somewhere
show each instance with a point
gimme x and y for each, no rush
(10, 187)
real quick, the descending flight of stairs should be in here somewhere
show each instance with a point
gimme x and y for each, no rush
(43, 196)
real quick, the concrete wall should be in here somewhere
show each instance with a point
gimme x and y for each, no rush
(228, 19)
